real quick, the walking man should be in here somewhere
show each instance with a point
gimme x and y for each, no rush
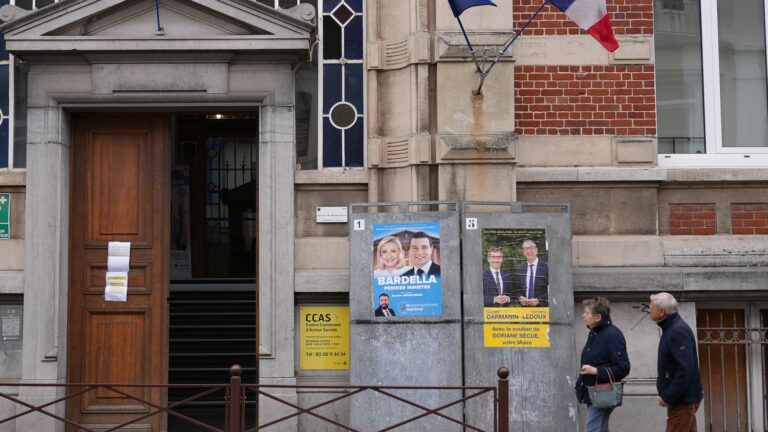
(678, 381)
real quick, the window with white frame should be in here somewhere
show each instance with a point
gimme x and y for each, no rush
(13, 90)
(5, 104)
(330, 91)
(711, 91)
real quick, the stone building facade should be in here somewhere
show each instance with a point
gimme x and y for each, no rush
(658, 148)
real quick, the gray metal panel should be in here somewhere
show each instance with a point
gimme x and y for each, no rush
(410, 351)
(541, 379)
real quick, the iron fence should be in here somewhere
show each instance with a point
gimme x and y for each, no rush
(235, 394)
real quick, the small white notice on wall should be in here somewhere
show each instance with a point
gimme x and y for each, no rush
(331, 215)
(118, 266)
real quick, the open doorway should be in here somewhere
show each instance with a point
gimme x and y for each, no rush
(213, 296)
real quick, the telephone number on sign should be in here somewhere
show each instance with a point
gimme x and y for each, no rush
(326, 354)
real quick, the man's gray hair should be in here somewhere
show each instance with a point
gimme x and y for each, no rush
(494, 249)
(665, 301)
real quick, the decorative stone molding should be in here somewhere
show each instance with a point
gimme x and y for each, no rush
(453, 47)
(10, 13)
(635, 150)
(193, 77)
(304, 11)
(392, 152)
(488, 147)
(400, 53)
(633, 50)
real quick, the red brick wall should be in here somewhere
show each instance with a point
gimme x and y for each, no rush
(692, 219)
(749, 218)
(628, 17)
(585, 100)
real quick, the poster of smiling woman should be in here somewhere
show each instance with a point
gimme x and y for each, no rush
(406, 269)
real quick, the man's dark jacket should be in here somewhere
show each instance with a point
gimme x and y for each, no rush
(605, 349)
(540, 281)
(678, 380)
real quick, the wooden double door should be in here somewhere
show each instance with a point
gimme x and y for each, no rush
(120, 186)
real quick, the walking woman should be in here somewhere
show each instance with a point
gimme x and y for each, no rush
(604, 353)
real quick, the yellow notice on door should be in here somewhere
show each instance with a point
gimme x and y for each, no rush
(324, 333)
(516, 335)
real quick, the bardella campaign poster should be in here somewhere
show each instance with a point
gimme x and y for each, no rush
(406, 270)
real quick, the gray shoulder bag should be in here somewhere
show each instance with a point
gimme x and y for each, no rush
(606, 395)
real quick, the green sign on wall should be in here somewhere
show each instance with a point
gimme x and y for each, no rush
(5, 216)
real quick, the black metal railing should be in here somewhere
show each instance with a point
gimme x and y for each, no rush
(235, 393)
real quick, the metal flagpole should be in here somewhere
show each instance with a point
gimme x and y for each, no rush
(159, 30)
(485, 73)
(471, 49)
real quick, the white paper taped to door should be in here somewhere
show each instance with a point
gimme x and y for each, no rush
(118, 266)
(116, 286)
(116, 248)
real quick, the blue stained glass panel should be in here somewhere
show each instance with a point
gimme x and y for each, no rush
(4, 144)
(356, 5)
(331, 39)
(4, 99)
(353, 144)
(353, 76)
(331, 86)
(353, 39)
(329, 5)
(331, 144)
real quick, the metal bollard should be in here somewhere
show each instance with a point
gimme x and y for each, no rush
(235, 397)
(503, 405)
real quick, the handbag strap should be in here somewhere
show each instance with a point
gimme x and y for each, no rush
(610, 376)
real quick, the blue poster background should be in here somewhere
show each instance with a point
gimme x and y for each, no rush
(409, 294)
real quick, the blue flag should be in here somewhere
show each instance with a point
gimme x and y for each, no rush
(458, 6)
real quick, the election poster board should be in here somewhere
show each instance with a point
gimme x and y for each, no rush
(324, 337)
(515, 281)
(407, 278)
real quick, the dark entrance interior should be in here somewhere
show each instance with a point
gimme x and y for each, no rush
(213, 255)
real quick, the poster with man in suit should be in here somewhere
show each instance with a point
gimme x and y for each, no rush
(515, 285)
(515, 268)
(406, 270)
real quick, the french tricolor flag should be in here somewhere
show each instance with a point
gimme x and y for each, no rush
(592, 16)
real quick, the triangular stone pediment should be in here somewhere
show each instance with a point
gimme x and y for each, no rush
(132, 25)
(139, 19)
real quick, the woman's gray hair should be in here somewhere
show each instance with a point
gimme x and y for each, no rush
(665, 301)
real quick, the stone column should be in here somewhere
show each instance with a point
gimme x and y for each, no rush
(46, 263)
(277, 160)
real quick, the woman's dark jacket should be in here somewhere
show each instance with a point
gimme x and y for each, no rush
(605, 349)
(679, 379)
